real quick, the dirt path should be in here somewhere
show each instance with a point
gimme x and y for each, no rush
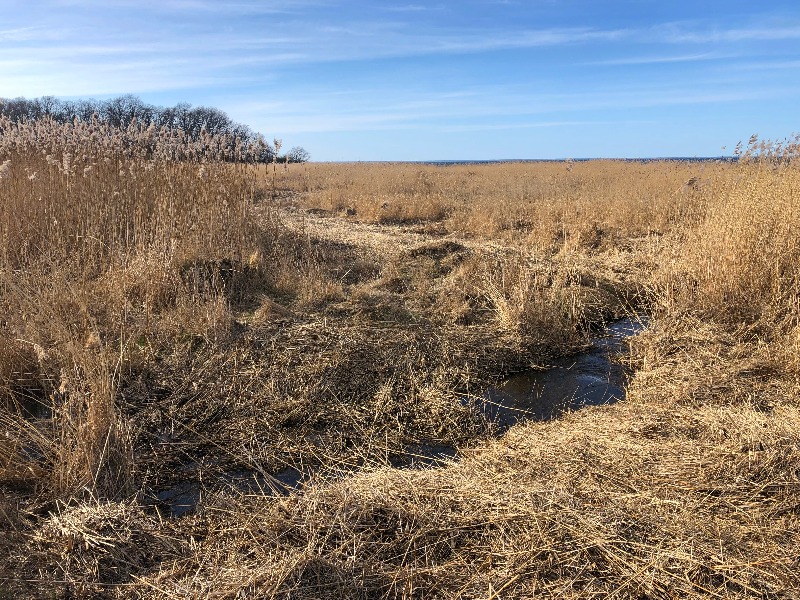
(355, 233)
(385, 239)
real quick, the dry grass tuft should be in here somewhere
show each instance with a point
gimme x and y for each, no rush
(741, 262)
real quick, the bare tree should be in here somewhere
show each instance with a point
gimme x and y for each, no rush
(298, 155)
(122, 110)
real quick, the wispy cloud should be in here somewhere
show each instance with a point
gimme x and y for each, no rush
(413, 8)
(773, 65)
(711, 34)
(178, 61)
(17, 35)
(227, 8)
(36, 34)
(481, 42)
(487, 108)
(653, 60)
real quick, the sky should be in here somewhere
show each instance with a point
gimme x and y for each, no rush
(450, 80)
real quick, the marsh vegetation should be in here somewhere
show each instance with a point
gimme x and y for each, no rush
(170, 316)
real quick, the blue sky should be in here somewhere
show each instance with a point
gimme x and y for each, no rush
(474, 79)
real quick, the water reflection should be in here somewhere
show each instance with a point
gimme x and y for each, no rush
(591, 378)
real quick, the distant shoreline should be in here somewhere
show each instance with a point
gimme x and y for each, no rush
(445, 163)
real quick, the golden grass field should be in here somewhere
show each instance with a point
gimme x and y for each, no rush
(167, 317)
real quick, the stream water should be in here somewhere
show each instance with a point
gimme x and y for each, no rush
(595, 376)
(183, 497)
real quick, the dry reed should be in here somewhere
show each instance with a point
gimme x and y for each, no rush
(547, 204)
(177, 324)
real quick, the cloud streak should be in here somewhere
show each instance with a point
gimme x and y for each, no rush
(714, 36)
(225, 8)
(489, 108)
(658, 60)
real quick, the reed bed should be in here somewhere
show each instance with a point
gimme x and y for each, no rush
(548, 205)
(174, 316)
(99, 249)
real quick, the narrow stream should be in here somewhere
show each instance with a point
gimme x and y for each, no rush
(184, 497)
(596, 376)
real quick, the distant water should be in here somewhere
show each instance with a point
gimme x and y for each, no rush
(697, 159)
(447, 163)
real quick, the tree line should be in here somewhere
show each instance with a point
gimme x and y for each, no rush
(124, 110)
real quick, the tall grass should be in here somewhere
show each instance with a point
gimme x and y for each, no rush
(686, 489)
(96, 197)
(739, 266)
(138, 263)
(547, 204)
(106, 237)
